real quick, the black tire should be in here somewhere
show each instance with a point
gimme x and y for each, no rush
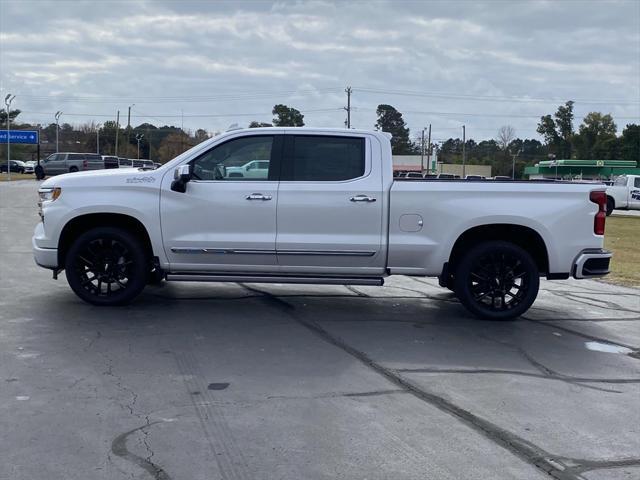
(73, 169)
(107, 266)
(497, 280)
(610, 206)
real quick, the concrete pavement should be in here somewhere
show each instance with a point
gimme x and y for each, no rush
(235, 381)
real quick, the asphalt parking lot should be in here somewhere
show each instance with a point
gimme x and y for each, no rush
(234, 381)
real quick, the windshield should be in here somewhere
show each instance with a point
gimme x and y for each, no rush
(621, 180)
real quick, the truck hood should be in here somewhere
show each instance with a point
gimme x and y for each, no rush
(116, 177)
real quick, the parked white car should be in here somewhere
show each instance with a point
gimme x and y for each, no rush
(341, 219)
(252, 169)
(29, 166)
(624, 194)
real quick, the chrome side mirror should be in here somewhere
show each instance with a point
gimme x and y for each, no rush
(181, 177)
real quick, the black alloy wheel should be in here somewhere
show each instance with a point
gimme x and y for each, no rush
(497, 280)
(106, 266)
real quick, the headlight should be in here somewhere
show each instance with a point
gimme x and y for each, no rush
(49, 194)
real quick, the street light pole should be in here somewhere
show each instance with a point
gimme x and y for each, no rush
(98, 139)
(57, 116)
(7, 101)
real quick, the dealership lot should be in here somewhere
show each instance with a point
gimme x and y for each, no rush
(236, 381)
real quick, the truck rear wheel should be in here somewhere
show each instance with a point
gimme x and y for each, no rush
(497, 280)
(106, 266)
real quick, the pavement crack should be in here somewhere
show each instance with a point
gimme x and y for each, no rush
(119, 448)
(545, 371)
(522, 448)
(549, 324)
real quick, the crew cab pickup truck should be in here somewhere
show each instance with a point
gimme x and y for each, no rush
(624, 193)
(327, 210)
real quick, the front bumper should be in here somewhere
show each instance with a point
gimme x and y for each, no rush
(592, 263)
(45, 257)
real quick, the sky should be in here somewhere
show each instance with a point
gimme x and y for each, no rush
(208, 64)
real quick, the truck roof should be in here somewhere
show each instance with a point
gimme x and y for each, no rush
(303, 130)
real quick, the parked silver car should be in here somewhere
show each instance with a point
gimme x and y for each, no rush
(58, 163)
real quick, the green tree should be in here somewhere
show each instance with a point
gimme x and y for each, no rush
(630, 142)
(287, 116)
(255, 124)
(596, 137)
(558, 131)
(3, 116)
(390, 120)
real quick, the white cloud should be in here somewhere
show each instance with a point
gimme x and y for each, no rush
(247, 56)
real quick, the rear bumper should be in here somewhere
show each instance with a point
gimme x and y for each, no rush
(592, 263)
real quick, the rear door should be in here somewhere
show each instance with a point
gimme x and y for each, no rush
(330, 205)
(94, 161)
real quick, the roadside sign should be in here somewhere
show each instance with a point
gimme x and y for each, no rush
(29, 137)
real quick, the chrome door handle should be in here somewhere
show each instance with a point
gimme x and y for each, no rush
(258, 196)
(362, 198)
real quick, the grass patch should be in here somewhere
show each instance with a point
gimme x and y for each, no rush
(622, 237)
(17, 176)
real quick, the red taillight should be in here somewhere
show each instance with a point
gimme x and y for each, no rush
(85, 163)
(599, 197)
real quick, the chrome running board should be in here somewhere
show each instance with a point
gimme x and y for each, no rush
(215, 277)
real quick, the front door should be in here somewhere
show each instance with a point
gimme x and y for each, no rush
(55, 164)
(224, 223)
(634, 193)
(330, 206)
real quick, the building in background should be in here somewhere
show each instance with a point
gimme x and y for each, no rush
(415, 163)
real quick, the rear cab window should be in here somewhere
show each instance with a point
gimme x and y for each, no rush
(322, 158)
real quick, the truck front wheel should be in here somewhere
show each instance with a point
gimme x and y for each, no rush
(106, 266)
(497, 280)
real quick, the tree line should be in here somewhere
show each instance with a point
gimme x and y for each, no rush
(595, 138)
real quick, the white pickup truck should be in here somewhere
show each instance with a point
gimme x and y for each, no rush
(624, 194)
(327, 210)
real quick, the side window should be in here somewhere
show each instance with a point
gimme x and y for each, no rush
(94, 157)
(621, 180)
(324, 158)
(636, 182)
(75, 156)
(236, 160)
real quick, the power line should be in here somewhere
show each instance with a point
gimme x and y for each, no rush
(194, 115)
(176, 99)
(477, 114)
(493, 98)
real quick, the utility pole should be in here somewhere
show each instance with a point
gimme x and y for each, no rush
(117, 128)
(464, 150)
(98, 139)
(348, 107)
(7, 101)
(129, 124)
(513, 168)
(422, 153)
(57, 116)
(139, 137)
(429, 150)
